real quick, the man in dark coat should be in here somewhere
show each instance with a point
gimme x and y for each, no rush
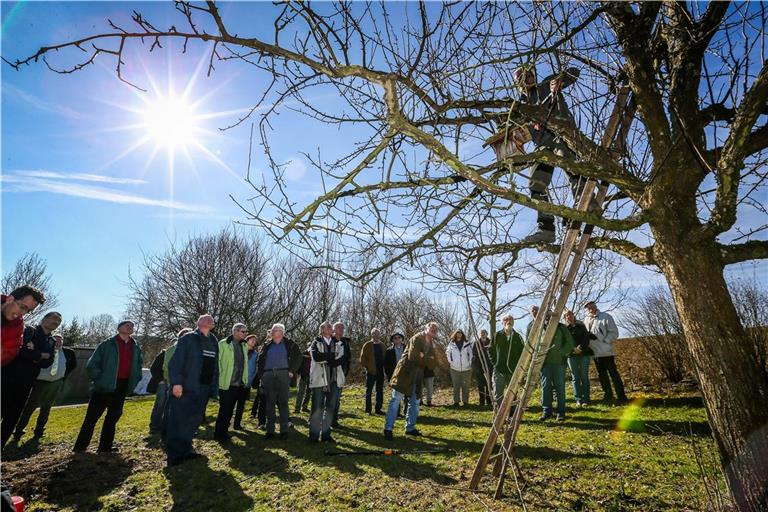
(481, 362)
(193, 375)
(47, 387)
(19, 376)
(14, 306)
(279, 361)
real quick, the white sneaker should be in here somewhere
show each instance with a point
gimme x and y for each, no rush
(543, 236)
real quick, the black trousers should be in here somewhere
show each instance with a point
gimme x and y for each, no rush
(377, 381)
(607, 372)
(242, 398)
(17, 381)
(227, 402)
(259, 408)
(482, 388)
(111, 402)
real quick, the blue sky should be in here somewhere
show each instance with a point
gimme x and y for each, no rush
(82, 191)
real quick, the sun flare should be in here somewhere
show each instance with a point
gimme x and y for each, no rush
(170, 122)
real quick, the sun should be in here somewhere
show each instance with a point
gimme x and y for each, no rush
(170, 122)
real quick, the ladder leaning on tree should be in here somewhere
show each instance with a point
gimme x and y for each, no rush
(510, 412)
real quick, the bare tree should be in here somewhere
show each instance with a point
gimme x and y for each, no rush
(419, 86)
(32, 270)
(751, 300)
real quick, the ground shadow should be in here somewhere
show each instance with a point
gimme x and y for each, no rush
(219, 489)
(639, 426)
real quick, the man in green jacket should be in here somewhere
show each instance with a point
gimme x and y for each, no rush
(233, 378)
(505, 352)
(114, 369)
(553, 370)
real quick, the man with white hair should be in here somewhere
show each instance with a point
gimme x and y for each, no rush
(602, 325)
(193, 372)
(279, 360)
(505, 352)
(325, 377)
(372, 359)
(233, 378)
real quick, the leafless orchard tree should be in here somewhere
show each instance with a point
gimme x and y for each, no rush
(419, 84)
(31, 270)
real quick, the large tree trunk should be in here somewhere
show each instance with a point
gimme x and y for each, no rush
(733, 384)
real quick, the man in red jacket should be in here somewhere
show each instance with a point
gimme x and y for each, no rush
(21, 301)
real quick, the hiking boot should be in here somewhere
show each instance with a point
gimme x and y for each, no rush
(413, 432)
(560, 418)
(269, 435)
(329, 439)
(388, 435)
(542, 236)
(545, 416)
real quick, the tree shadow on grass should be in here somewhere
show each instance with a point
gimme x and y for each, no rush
(69, 480)
(639, 426)
(195, 486)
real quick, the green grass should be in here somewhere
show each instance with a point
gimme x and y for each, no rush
(585, 464)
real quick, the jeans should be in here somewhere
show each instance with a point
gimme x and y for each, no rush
(323, 408)
(183, 416)
(500, 383)
(227, 401)
(302, 394)
(276, 384)
(371, 381)
(338, 406)
(43, 395)
(460, 382)
(607, 372)
(161, 397)
(112, 402)
(541, 177)
(553, 379)
(579, 366)
(411, 414)
(429, 385)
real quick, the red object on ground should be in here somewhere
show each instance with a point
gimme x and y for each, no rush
(18, 502)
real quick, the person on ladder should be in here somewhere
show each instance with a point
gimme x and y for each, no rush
(548, 93)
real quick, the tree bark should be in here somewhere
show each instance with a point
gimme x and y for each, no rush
(732, 382)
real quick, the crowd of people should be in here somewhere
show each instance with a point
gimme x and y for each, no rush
(197, 367)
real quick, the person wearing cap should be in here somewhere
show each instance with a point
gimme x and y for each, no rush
(505, 351)
(193, 375)
(604, 328)
(548, 94)
(18, 377)
(47, 388)
(114, 369)
(233, 378)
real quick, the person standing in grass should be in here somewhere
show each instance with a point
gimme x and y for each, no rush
(279, 360)
(578, 360)
(504, 352)
(259, 408)
(407, 379)
(21, 301)
(459, 354)
(481, 355)
(372, 360)
(114, 369)
(193, 374)
(245, 391)
(233, 378)
(326, 375)
(553, 370)
(391, 358)
(338, 333)
(47, 388)
(604, 328)
(158, 384)
(303, 394)
(18, 377)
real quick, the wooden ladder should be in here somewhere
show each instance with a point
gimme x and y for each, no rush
(526, 375)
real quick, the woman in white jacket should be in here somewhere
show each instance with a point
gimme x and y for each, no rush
(459, 354)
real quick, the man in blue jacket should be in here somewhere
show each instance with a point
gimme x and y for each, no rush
(194, 376)
(114, 369)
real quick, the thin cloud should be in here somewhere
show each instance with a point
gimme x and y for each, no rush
(79, 176)
(42, 104)
(22, 183)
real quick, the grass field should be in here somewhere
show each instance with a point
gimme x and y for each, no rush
(637, 457)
